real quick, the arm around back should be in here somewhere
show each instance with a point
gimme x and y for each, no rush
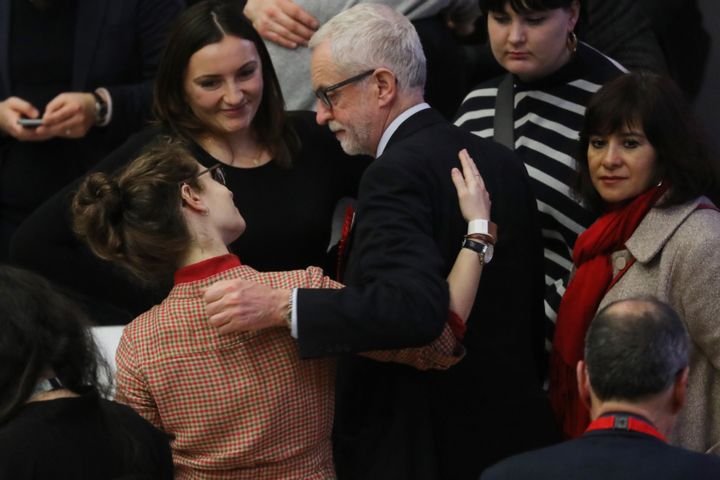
(397, 295)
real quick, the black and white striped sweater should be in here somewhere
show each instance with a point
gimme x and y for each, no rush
(547, 117)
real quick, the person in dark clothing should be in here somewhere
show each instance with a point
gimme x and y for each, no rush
(53, 421)
(686, 44)
(84, 67)
(368, 72)
(633, 380)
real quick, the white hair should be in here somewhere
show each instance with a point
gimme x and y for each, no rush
(369, 36)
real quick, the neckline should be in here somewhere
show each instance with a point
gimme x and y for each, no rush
(211, 159)
(569, 71)
(206, 268)
(625, 422)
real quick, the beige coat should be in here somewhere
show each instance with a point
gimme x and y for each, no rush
(677, 252)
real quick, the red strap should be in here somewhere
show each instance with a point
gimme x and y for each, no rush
(623, 422)
(344, 236)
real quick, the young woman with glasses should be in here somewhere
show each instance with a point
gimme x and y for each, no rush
(240, 405)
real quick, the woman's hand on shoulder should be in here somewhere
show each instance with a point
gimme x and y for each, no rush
(474, 199)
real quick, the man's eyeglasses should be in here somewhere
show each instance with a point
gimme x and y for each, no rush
(322, 92)
(216, 173)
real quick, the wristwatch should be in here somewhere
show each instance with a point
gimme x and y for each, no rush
(101, 109)
(484, 250)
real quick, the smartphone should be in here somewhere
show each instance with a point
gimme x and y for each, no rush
(30, 122)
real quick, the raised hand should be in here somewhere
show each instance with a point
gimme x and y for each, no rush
(473, 197)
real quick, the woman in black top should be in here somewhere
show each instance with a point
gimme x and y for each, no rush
(217, 90)
(53, 422)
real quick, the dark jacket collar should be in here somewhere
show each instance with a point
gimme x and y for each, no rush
(418, 121)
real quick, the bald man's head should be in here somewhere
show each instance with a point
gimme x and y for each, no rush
(634, 348)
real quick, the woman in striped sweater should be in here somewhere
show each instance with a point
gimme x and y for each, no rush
(550, 78)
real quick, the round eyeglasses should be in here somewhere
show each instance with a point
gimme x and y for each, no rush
(216, 173)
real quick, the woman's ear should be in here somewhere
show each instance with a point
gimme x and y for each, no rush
(574, 10)
(192, 199)
(660, 173)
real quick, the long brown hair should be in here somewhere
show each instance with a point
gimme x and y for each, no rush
(203, 24)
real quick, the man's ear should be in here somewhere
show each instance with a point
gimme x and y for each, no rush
(191, 199)
(386, 84)
(583, 380)
(680, 389)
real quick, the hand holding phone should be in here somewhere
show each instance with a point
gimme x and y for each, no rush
(30, 122)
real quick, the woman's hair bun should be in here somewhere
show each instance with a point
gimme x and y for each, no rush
(97, 210)
(101, 191)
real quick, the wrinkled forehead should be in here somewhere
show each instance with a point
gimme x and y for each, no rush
(324, 71)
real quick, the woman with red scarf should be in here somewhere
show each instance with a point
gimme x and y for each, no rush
(645, 168)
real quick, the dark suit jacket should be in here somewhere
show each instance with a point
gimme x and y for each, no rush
(609, 454)
(118, 44)
(395, 422)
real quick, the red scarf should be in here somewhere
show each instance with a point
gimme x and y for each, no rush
(593, 278)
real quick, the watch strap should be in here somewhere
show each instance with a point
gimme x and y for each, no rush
(477, 246)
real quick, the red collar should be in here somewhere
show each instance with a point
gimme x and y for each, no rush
(206, 268)
(627, 423)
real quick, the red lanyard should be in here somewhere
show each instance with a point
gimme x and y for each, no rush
(624, 422)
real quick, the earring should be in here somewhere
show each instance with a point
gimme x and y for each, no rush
(206, 212)
(572, 42)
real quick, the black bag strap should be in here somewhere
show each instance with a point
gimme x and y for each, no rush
(504, 129)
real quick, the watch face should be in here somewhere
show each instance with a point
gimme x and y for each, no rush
(489, 253)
